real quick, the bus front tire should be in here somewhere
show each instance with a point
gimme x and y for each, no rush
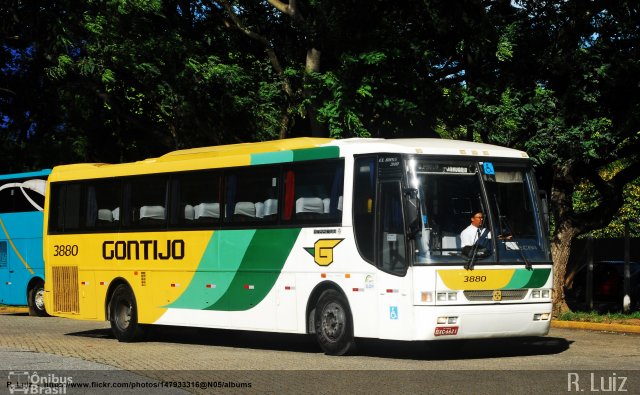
(36, 300)
(333, 324)
(123, 315)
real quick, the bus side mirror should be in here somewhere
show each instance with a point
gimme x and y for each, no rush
(414, 219)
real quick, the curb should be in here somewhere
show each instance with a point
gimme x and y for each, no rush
(13, 310)
(596, 326)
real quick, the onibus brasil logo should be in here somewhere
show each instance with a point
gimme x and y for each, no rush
(322, 251)
(34, 383)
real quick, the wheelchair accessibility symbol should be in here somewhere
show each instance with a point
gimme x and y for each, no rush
(393, 312)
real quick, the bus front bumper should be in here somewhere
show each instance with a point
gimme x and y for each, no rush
(481, 322)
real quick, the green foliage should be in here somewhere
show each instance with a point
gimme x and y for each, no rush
(507, 42)
(122, 80)
(586, 198)
(127, 79)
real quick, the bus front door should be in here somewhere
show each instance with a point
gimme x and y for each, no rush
(393, 284)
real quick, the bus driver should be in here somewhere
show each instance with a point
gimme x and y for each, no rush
(472, 233)
(475, 233)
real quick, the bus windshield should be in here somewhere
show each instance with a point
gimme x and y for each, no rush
(500, 197)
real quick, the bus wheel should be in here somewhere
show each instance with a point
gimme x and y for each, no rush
(123, 315)
(36, 300)
(333, 325)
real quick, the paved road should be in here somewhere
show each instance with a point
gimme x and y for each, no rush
(277, 362)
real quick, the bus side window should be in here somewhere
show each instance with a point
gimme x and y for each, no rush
(148, 201)
(6, 200)
(103, 204)
(72, 207)
(252, 195)
(65, 208)
(198, 197)
(364, 205)
(313, 192)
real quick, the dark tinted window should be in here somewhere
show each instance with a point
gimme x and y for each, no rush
(147, 202)
(198, 197)
(314, 193)
(364, 205)
(252, 195)
(248, 197)
(21, 195)
(103, 203)
(72, 208)
(392, 252)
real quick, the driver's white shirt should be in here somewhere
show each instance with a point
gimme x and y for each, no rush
(470, 235)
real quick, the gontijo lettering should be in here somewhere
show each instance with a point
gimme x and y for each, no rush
(143, 249)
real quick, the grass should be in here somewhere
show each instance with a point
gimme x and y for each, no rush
(607, 318)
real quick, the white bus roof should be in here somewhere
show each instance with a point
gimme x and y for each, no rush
(427, 146)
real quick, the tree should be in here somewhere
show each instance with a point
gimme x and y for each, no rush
(593, 64)
(357, 68)
(124, 80)
(570, 96)
(161, 76)
(29, 115)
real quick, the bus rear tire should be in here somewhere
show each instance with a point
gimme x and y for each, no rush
(36, 300)
(333, 324)
(123, 315)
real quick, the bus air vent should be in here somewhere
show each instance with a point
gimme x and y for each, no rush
(65, 289)
(487, 296)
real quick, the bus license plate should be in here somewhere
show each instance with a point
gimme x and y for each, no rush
(446, 331)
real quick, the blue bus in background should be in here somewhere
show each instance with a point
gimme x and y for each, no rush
(21, 263)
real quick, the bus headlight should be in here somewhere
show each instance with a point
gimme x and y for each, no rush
(447, 320)
(447, 296)
(540, 293)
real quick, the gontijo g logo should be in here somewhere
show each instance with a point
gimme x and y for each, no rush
(322, 251)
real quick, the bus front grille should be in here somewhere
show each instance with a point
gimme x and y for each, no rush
(65, 289)
(505, 294)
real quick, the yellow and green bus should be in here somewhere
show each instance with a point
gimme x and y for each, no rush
(342, 239)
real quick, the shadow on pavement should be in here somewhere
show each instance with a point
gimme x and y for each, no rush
(439, 350)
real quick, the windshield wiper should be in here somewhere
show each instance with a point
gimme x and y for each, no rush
(513, 240)
(477, 250)
(509, 234)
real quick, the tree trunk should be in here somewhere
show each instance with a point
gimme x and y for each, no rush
(284, 124)
(312, 65)
(560, 251)
(562, 201)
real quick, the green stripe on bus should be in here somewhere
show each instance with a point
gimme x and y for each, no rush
(316, 153)
(539, 277)
(519, 279)
(260, 268)
(218, 266)
(271, 157)
(295, 155)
